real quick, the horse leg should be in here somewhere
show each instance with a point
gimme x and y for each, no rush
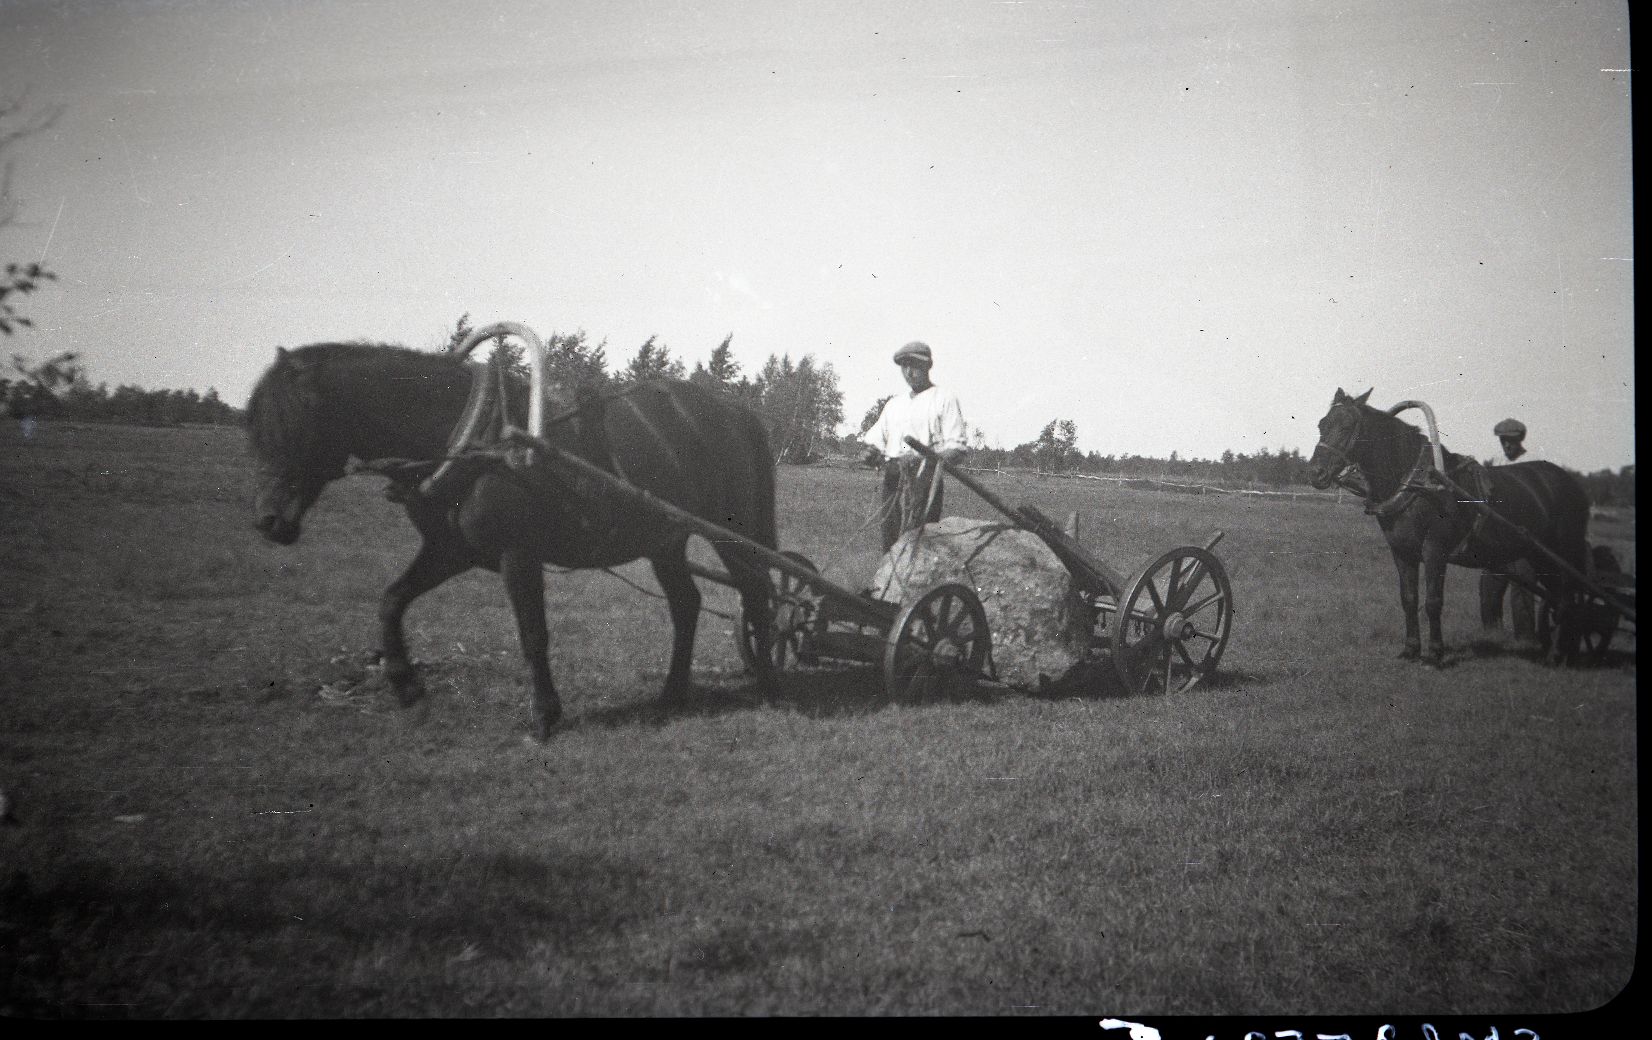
(525, 584)
(1572, 604)
(1408, 604)
(683, 597)
(1564, 607)
(1492, 588)
(1523, 605)
(435, 563)
(756, 603)
(1434, 574)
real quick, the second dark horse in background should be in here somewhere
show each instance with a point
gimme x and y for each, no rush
(319, 406)
(1430, 527)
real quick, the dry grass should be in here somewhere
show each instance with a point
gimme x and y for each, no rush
(221, 818)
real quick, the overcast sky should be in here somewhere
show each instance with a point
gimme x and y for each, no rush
(1181, 224)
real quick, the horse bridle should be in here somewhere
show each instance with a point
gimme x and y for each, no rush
(1340, 478)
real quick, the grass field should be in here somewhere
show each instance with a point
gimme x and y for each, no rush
(218, 817)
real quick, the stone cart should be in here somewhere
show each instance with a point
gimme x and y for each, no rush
(1163, 629)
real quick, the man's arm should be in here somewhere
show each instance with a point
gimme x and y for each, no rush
(951, 445)
(876, 439)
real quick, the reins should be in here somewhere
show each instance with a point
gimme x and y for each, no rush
(1341, 478)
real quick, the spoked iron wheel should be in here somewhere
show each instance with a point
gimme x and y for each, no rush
(1598, 625)
(1594, 621)
(794, 605)
(940, 639)
(1172, 622)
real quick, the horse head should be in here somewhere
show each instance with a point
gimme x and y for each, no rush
(1339, 433)
(297, 455)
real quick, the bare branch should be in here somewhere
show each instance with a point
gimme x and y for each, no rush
(17, 122)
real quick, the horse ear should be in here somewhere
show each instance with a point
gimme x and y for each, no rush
(1361, 399)
(1340, 396)
(291, 361)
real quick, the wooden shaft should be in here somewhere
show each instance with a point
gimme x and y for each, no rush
(871, 611)
(1091, 573)
(1576, 575)
(1198, 571)
(711, 574)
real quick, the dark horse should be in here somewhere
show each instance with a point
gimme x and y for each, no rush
(319, 406)
(1429, 524)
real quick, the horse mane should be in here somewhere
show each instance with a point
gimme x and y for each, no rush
(283, 420)
(1415, 435)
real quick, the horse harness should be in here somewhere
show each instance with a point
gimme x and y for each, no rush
(443, 482)
(1423, 481)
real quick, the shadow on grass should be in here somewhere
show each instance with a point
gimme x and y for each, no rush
(1493, 648)
(92, 944)
(1098, 681)
(820, 693)
(1230, 678)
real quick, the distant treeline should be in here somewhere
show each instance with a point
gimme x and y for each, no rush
(1607, 488)
(1284, 468)
(124, 404)
(799, 400)
(1272, 469)
(1055, 451)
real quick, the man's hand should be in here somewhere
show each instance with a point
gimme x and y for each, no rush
(873, 457)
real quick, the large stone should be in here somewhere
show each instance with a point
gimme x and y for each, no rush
(1040, 628)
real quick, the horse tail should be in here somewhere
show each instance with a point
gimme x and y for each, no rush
(1573, 530)
(1558, 516)
(765, 528)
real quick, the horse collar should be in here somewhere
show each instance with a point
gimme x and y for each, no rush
(1421, 480)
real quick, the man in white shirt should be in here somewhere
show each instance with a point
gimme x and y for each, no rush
(911, 493)
(1522, 606)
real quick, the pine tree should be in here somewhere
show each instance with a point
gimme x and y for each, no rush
(651, 362)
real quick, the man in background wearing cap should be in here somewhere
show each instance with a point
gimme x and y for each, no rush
(911, 495)
(1512, 434)
(1522, 607)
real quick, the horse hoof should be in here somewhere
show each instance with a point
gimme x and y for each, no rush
(408, 689)
(410, 696)
(542, 730)
(674, 694)
(415, 715)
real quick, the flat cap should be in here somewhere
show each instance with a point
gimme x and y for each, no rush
(1510, 428)
(914, 351)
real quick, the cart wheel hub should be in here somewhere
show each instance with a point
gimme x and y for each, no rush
(1178, 627)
